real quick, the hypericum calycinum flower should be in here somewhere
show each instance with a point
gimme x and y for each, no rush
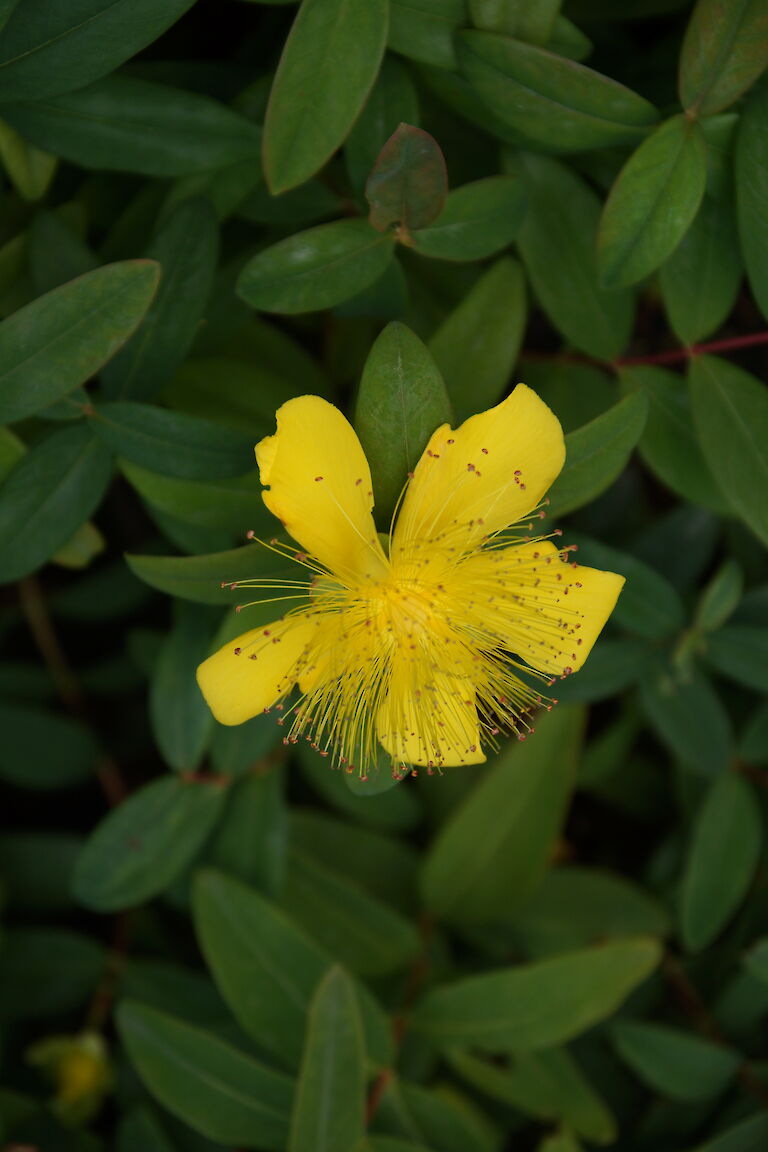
(419, 650)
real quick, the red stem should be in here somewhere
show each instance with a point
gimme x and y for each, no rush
(678, 354)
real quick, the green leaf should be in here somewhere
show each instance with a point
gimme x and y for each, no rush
(689, 718)
(56, 253)
(597, 453)
(50, 48)
(47, 496)
(358, 930)
(267, 968)
(673, 1062)
(391, 101)
(533, 24)
(546, 1085)
(30, 170)
(388, 811)
(574, 907)
(753, 746)
(316, 269)
(478, 220)
(720, 597)
(205, 579)
(442, 1115)
(37, 869)
(329, 1105)
(557, 243)
(741, 653)
(173, 442)
(494, 850)
(747, 1136)
(730, 410)
(424, 29)
(56, 343)
(142, 846)
(476, 345)
(402, 400)
(124, 124)
(669, 445)
(751, 182)
(140, 1129)
(251, 837)
(181, 720)
(550, 102)
(700, 281)
(314, 102)
(41, 749)
(535, 1006)
(653, 203)
(186, 249)
(222, 1093)
(47, 971)
(613, 665)
(722, 858)
(409, 181)
(237, 393)
(724, 51)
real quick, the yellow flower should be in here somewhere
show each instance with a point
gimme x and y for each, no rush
(430, 648)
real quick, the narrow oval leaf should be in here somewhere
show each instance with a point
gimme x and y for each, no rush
(402, 400)
(730, 410)
(316, 269)
(476, 345)
(424, 30)
(747, 1136)
(751, 181)
(50, 48)
(557, 244)
(56, 252)
(186, 247)
(220, 1092)
(173, 442)
(493, 852)
(652, 203)
(142, 846)
(597, 453)
(327, 69)
(551, 102)
(689, 718)
(56, 343)
(41, 749)
(724, 51)
(206, 579)
(674, 1062)
(124, 124)
(181, 720)
(48, 495)
(722, 858)
(409, 181)
(329, 1105)
(740, 653)
(478, 220)
(720, 597)
(392, 101)
(139, 1129)
(47, 971)
(538, 1005)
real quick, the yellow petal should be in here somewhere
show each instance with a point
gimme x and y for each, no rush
(541, 607)
(252, 672)
(487, 474)
(434, 723)
(320, 487)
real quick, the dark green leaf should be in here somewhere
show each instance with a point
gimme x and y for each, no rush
(753, 746)
(41, 749)
(388, 811)
(673, 1062)
(722, 858)
(328, 1108)
(142, 846)
(597, 453)
(206, 579)
(550, 102)
(478, 220)
(314, 101)
(316, 269)
(730, 409)
(720, 597)
(408, 183)
(140, 1129)
(48, 495)
(181, 720)
(751, 181)
(424, 29)
(653, 203)
(173, 442)
(557, 243)
(186, 249)
(237, 393)
(747, 1136)
(213, 1087)
(59, 341)
(47, 971)
(476, 346)
(251, 837)
(740, 653)
(49, 48)
(402, 400)
(669, 445)
(535, 1006)
(493, 852)
(37, 869)
(724, 51)
(56, 253)
(129, 125)
(613, 665)
(689, 718)
(392, 101)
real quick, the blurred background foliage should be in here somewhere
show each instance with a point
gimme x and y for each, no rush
(208, 208)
